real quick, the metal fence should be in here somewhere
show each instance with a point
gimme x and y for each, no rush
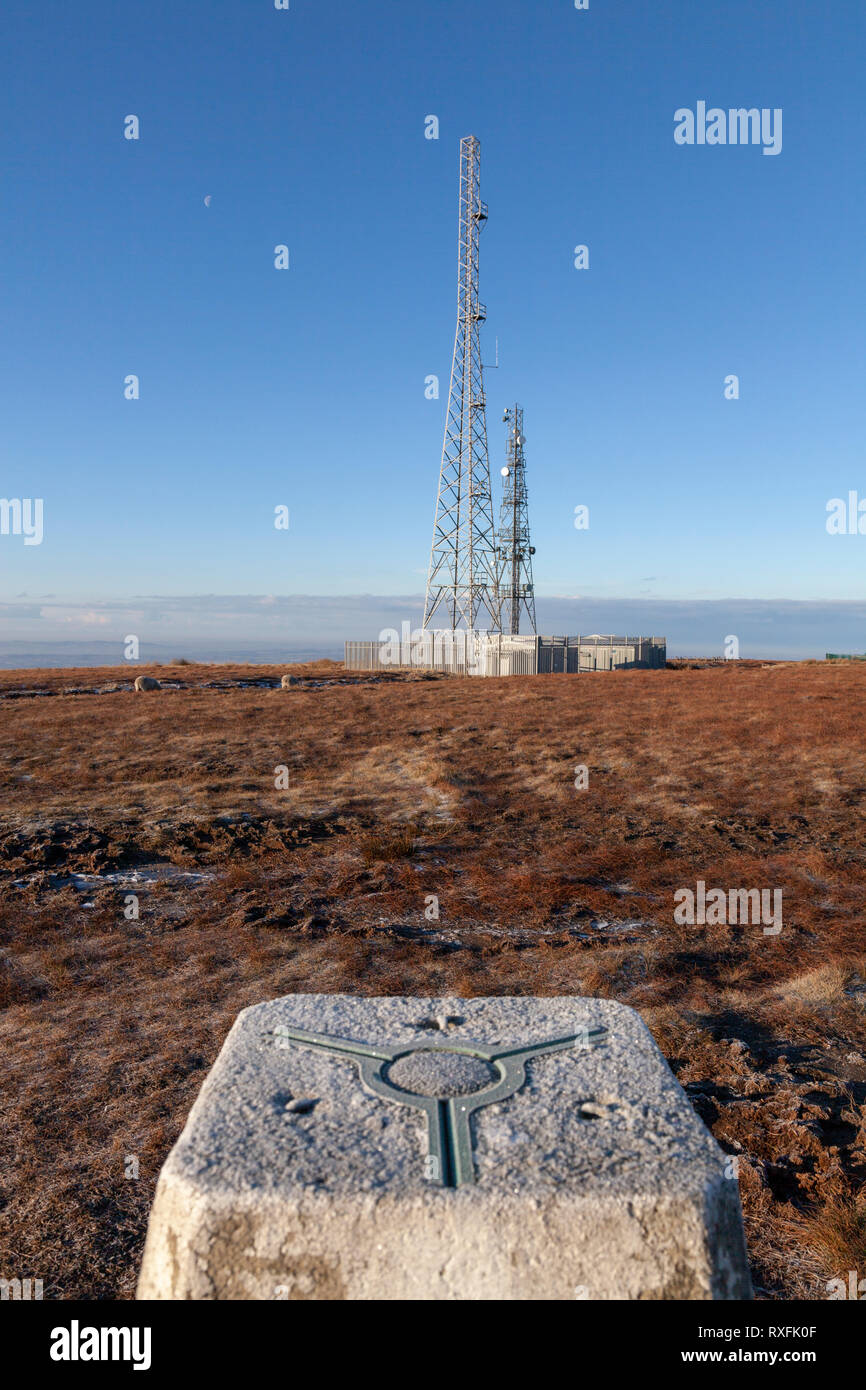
(465, 653)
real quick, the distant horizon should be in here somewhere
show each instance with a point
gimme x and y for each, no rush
(280, 628)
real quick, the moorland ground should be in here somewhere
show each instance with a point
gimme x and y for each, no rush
(396, 789)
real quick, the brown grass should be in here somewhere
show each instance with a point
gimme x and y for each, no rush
(399, 788)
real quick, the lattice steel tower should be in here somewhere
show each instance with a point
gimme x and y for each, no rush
(462, 578)
(516, 593)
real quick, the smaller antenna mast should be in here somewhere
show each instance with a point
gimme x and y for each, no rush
(514, 553)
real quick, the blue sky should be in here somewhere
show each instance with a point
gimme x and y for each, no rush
(306, 387)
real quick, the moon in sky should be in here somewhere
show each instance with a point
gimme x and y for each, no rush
(207, 201)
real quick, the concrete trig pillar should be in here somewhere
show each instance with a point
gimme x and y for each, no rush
(407, 1148)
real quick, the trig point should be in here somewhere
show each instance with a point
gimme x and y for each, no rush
(403, 1148)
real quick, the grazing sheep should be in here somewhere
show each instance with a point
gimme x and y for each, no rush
(287, 681)
(146, 683)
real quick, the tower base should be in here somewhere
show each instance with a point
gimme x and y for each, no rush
(464, 653)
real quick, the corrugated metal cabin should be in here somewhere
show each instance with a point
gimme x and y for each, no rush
(465, 653)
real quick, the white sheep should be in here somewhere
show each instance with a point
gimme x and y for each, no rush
(146, 683)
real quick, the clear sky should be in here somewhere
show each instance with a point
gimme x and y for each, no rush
(305, 387)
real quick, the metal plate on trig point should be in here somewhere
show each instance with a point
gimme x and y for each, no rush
(449, 1081)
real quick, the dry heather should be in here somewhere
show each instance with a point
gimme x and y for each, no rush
(400, 788)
